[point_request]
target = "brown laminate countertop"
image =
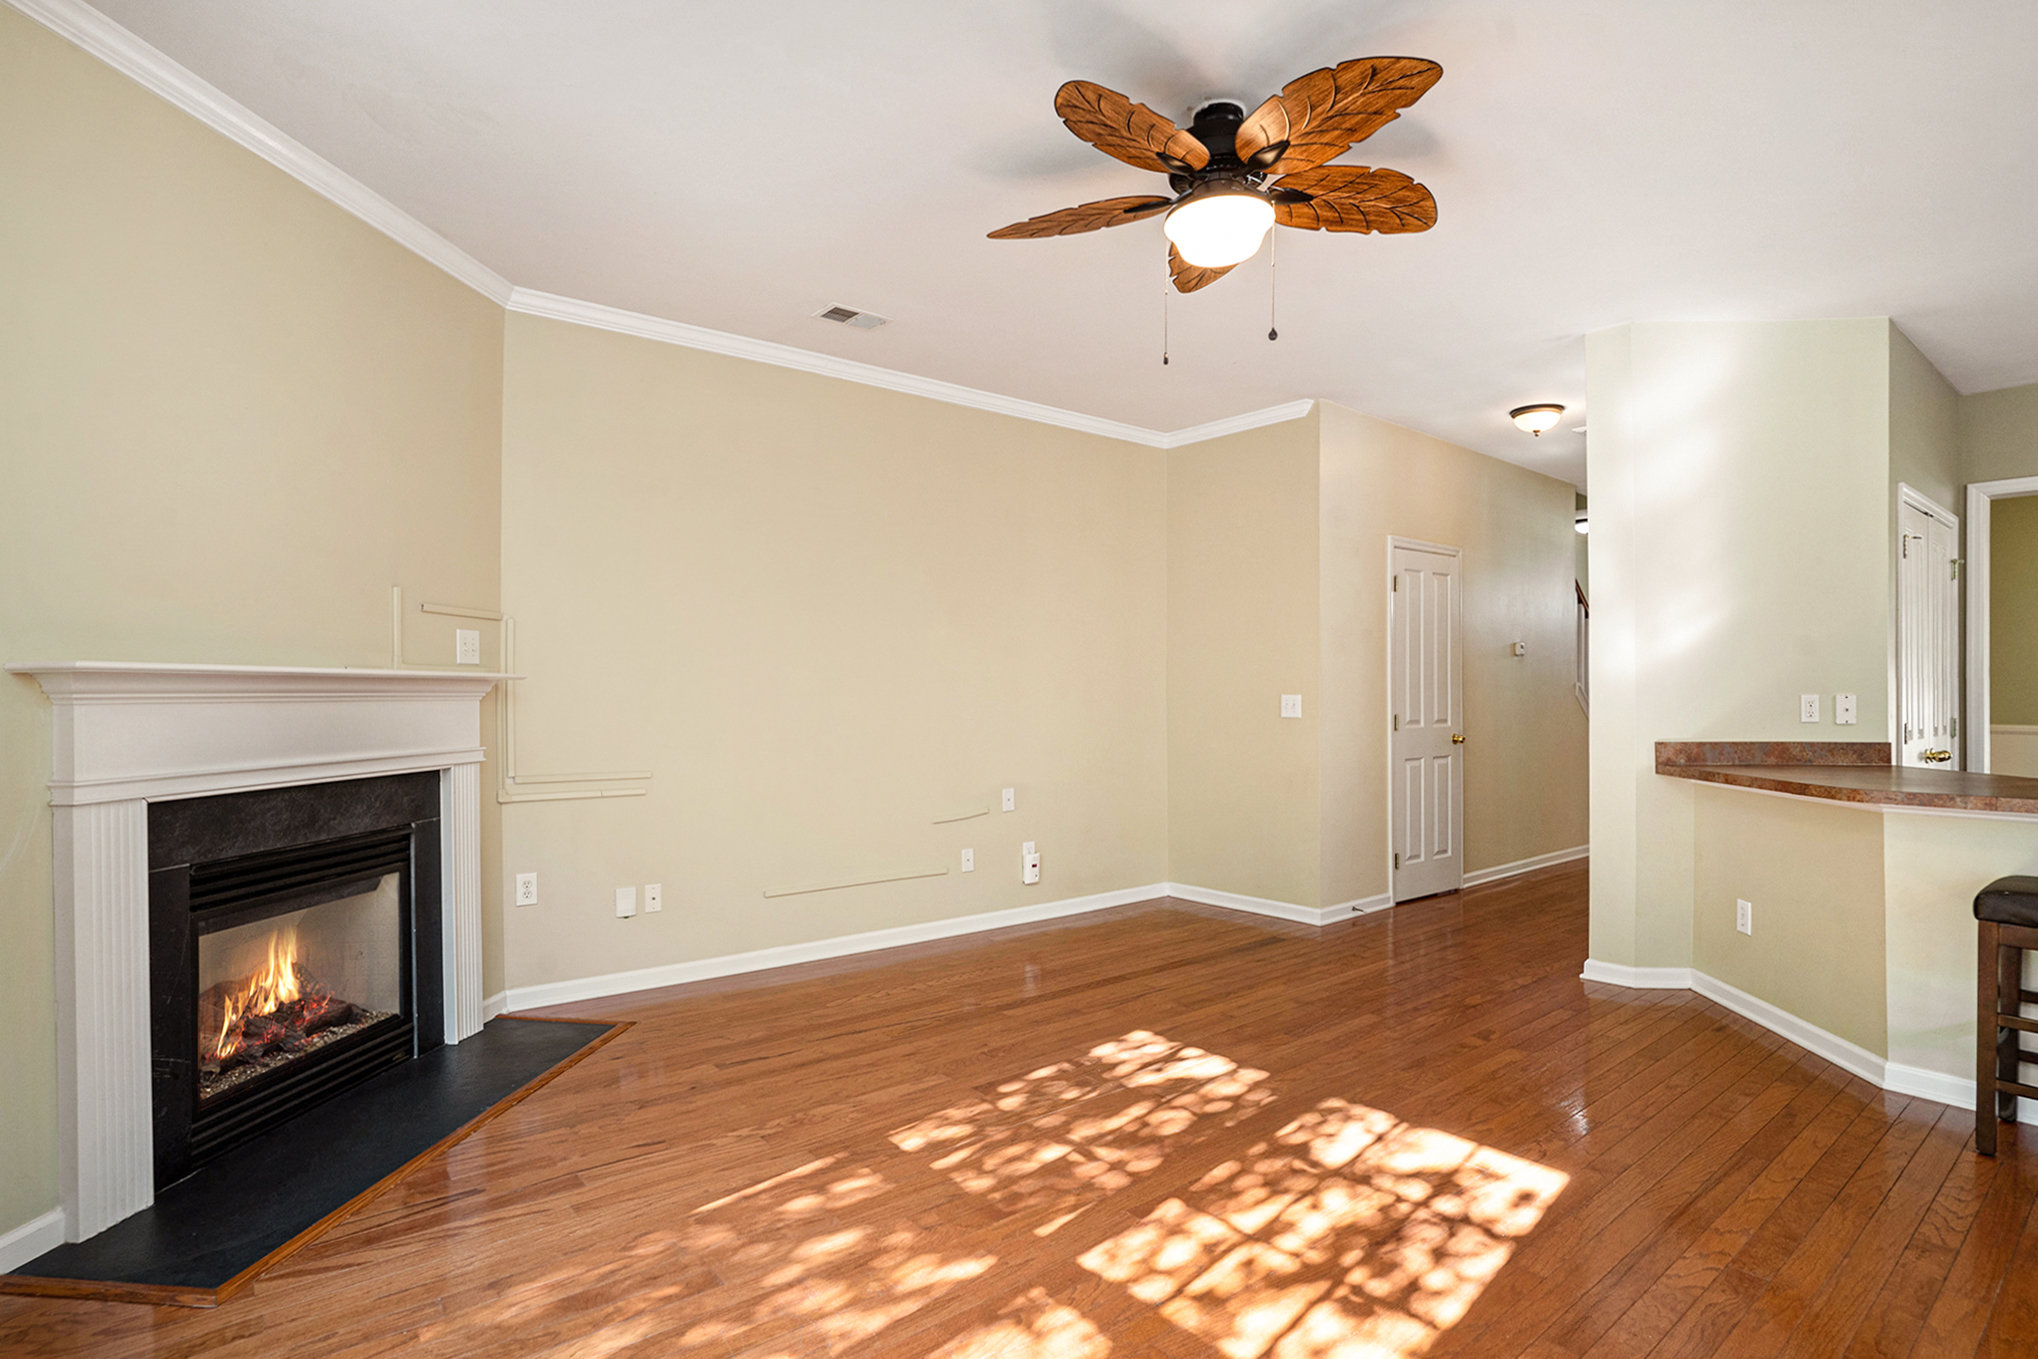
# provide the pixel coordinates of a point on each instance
(1845, 772)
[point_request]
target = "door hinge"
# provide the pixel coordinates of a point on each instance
(1956, 568)
(1397, 585)
(1397, 721)
(1397, 862)
(1956, 726)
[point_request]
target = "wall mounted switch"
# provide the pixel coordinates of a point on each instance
(466, 646)
(1744, 917)
(527, 889)
(1807, 707)
(1011, 801)
(1291, 705)
(1844, 710)
(626, 902)
(654, 897)
(969, 861)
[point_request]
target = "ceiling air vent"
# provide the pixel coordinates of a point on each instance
(850, 316)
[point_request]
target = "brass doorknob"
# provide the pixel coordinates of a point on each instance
(1936, 756)
(1457, 738)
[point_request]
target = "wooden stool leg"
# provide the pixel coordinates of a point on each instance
(2009, 1042)
(1988, 975)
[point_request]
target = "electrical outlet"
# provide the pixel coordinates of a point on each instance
(626, 902)
(1807, 707)
(527, 889)
(1029, 863)
(1744, 917)
(969, 861)
(1844, 710)
(466, 646)
(654, 897)
(1291, 705)
(1011, 801)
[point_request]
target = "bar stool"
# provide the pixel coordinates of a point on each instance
(2007, 910)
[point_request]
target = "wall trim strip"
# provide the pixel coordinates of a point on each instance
(1279, 910)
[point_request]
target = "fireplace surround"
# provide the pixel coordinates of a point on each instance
(130, 738)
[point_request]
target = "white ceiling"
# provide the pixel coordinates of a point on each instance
(742, 166)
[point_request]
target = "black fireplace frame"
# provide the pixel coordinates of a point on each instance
(235, 858)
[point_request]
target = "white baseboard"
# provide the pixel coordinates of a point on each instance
(1279, 910)
(786, 955)
(1499, 871)
(1835, 1049)
(30, 1239)
(1637, 978)
(1896, 1077)
(494, 1005)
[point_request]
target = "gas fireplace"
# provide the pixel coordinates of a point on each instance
(287, 929)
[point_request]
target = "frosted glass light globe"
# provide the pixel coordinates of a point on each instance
(1218, 230)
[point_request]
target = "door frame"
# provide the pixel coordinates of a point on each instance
(1974, 576)
(1387, 695)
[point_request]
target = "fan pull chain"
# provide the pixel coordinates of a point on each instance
(1273, 289)
(1164, 327)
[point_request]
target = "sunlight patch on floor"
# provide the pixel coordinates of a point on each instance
(1349, 1233)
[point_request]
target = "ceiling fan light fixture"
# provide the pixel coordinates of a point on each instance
(1220, 225)
(1536, 419)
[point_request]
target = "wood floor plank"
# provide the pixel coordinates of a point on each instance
(1167, 1131)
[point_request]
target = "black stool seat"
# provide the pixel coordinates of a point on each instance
(2009, 901)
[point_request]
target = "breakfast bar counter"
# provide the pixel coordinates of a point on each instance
(1845, 771)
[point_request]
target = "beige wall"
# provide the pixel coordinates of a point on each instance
(1740, 482)
(1525, 759)
(824, 615)
(1241, 631)
(2013, 612)
(1924, 430)
(1999, 434)
(231, 418)
(1813, 874)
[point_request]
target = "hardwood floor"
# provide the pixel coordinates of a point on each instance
(1170, 1132)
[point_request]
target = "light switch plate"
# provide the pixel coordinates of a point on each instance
(969, 861)
(1744, 917)
(1291, 705)
(626, 902)
(527, 889)
(466, 646)
(1011, 800)
(1807, 707)
(1844, 711)
(654, 897)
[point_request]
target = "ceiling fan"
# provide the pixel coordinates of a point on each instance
(1232, 175)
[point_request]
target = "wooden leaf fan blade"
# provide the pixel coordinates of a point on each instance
(1317, 117)
(1132, 132)
(1189, 277)
(1354, 198)
(1106, 212)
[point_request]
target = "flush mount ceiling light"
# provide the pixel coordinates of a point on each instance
(1232, 174)
(1536, 419)
(1581, 523)
(1219, 225)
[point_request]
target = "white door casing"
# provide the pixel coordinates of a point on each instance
(1426, 719)
(1928, 633)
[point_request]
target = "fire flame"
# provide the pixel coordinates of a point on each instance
(276, 985)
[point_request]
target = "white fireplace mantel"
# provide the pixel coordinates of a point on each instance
(126, 734)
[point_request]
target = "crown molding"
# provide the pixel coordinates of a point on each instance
(554, 307)
(157, 73)
(154, 71)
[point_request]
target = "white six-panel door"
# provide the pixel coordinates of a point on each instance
(1427, 721)
(1928, 633)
